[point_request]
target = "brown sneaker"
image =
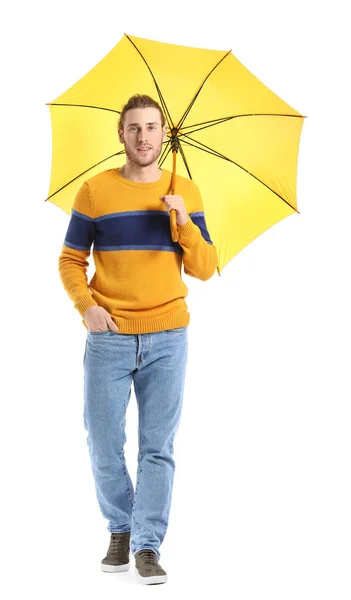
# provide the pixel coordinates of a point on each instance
(148, 569)
(117, 558)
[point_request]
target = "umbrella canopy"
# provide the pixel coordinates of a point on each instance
(232, 135)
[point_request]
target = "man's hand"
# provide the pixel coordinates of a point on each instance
(98, 319)
(176, 202)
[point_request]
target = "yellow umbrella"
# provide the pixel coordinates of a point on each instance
(235, 138)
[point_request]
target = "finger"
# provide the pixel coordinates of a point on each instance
(112, 325)
(97, 328)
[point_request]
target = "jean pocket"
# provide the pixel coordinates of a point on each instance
(98, 332)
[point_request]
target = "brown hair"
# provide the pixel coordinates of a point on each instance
(139, 101)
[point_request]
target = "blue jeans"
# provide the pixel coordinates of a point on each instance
(156, 362)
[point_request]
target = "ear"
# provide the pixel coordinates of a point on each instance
(120, 136)
(164, 137)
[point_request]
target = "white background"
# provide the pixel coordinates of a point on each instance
(261, 498)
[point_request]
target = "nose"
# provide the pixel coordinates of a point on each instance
(143, 135)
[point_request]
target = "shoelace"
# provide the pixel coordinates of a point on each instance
(116, 542)
(149, 556)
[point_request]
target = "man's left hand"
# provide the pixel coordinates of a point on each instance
(176, 202)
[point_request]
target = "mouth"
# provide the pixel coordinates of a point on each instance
(144, 149)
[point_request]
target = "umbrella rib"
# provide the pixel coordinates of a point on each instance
(211, 124)
(224, 119)
(210, 151)
(83, 172)
(199, 90)
(82, 106)
(162, 100)
(212, 121)
(165, 148)
(164, 158)
(184, 159)
(215, 153)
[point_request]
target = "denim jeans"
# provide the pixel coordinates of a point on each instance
(156, 362)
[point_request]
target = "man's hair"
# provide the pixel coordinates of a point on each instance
(139, 101)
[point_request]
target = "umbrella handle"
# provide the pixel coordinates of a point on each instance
(174, 230)
(173, 212)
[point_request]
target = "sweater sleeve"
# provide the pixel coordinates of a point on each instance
(72, 263)
(199, 254)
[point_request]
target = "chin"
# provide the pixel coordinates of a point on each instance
(145, 162)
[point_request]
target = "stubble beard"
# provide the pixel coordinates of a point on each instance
(143, 161)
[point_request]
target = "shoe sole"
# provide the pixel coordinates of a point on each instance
(150, 580)
(114, 568)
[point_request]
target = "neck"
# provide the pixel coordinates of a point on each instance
(135, 172)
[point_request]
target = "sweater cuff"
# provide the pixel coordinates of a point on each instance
(85, 302)
(188, 228)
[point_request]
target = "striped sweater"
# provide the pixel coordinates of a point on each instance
(137, 275)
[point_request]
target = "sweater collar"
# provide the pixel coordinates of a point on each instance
(140, 184)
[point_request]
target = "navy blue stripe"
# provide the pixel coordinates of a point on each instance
(80, 233)
(175, 248)
(141, 228)
(133, 213)
(131, 230)
(199, 220)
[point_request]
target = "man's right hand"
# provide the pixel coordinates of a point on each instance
(98, 319)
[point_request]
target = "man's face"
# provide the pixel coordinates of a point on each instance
(143, 135)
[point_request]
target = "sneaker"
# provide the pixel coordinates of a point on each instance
(148, 569)
(117, 558)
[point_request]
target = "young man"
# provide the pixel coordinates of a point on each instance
(137, 321)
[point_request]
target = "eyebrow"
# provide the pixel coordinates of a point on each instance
(147, 123)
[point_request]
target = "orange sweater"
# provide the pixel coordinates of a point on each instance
(138, 266)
